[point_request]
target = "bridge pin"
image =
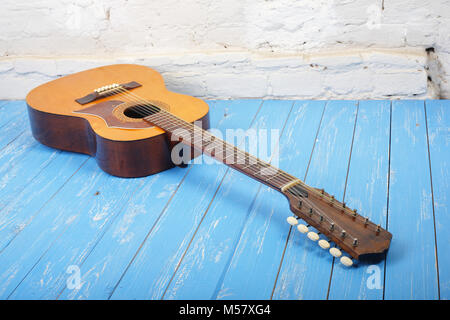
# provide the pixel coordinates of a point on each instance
(302, 228)
(292, 221)
(346, 261)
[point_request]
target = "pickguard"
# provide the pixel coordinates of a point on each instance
(112, 112)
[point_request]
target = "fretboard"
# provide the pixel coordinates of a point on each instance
(203, 141)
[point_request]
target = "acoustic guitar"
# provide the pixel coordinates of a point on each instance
(125, 117)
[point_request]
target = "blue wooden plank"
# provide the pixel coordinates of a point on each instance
(10, 110)
(14, 123)
(63, 232)
(411, 262)
(208, 257)
(20, 162)
(150, 272)
(305, 269)
(30, 184)
(438, 119)
(366, 191)
(111, 257)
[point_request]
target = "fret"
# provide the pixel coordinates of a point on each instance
(225, 152)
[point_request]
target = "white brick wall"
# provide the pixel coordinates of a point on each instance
(236, 48)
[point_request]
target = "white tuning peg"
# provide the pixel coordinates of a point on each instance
(313, 236)
(292, 221)
(335, 252)
(302, 228)
(324, 244)
(346, 261)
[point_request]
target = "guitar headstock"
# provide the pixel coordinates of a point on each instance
(355, 234)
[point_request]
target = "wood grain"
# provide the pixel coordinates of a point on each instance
(438, 120)
(411, 261)
(139, 238)
(366, 191)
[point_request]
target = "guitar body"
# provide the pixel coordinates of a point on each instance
(123, 145)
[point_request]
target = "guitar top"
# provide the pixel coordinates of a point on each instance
(124, 116)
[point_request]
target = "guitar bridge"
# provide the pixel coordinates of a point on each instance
(107, 91)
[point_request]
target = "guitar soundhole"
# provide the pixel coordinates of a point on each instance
(141, 111)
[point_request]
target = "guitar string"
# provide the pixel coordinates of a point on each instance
(322, 215)
(214, 140)
(147, 105)
(281, 172)
(155, 110)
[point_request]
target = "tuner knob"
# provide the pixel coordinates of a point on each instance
(324, 244)
(292, 221)
(346, 261)
(313, 236)
(335, 252)
(302, 228)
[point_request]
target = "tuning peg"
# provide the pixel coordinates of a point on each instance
(324, 244)
(366, 221)
(292, 221)
(335, 252)
(313, 236)
(378, 229)
(302, 228)
(346, 261)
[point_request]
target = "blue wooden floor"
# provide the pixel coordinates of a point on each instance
(207, 232)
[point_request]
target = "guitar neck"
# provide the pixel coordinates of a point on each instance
(204, 142)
